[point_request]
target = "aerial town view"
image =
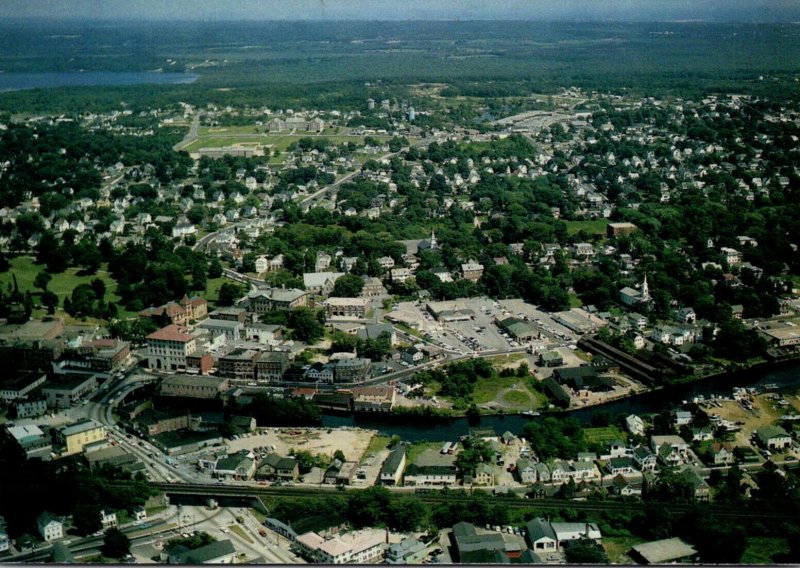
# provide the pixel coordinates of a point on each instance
(365, 282)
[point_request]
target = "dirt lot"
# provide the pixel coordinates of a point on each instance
(765, 411)
(353, 442)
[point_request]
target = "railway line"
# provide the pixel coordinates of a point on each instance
(455, 496)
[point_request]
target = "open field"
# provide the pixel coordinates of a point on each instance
(606, 434)
(26, 269)
(595, 226)
(617, 548)
(763, 549)
(353, 442)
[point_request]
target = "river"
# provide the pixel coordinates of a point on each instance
(785, 375)
(19, 81)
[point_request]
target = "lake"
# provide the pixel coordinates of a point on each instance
(19, 81)
(785, 375)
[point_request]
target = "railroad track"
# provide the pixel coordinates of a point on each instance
(436, 497)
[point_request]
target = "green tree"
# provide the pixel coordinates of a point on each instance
(86, 518)
(228, 294)
(215, 268)
(42, 279)
(348, 286)
(116, 544)
(305, 325)
(585, 553)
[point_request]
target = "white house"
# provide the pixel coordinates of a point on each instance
(50, 527)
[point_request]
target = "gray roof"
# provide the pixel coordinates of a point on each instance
(539, 528)
(662, 551)
(204, 554)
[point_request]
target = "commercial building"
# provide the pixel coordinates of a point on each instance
(667, 551)
(34, 442)
(393, 467)
(67, 391)
(30, 408)
(347, 307)
(168, 348)
(296, 123)
(190, 386)
(373, 399)
(271, 366)
(19, 386)
(266, 300)
(614, 230)
(75, 437)
(239, 364)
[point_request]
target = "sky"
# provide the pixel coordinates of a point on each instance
(596, 10)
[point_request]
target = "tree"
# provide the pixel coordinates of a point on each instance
(42, 279)
(305, 325)
(581, 552)
(228, 294)
(115, 544)
(339, 455)
(86, 518)
(50, 301)
(348, 286)
(215, 268)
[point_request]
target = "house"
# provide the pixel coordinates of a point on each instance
(139, 513)
(50, 527)
(320, 282)
(392, 468)
(720, 454)
(773, 437)
(550, 359)
(621, 486)
(240, 465)
(525, 471)
(683, 418)
(644, 459)
(278, 467)
(108, 519)
(543, 474)
(667, 551)
(219, 552)
(670, 450)
(702, 491)
(471, 271)
(621, 466)
(483, 475)
(635, 425)
(407, 551)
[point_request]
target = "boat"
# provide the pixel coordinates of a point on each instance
(531, 413)
(771, 386)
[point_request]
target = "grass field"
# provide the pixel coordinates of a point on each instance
(212, 289)
(618, 546)
(762, 550)
(248, 135)
(417, 448)
(595, 226)
(376, 444)
(606, 434)
(25, 269)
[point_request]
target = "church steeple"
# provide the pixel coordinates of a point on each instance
(433, 239)
(645, 289)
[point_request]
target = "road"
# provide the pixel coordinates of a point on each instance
(191, 136)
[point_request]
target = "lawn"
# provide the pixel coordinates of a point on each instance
(605, 434)
(376, 444)
(418, 448)
(593, 227)
(26, 269)
(762, 550)
(617, 548)
(212, 289)
(486, 390)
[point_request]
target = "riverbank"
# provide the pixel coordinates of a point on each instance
(784, 373)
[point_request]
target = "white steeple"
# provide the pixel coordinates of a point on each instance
(433, 239)
(645, 289)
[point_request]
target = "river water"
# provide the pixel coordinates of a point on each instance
(19, 81)
(785, 375)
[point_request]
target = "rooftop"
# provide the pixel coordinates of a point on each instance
(172, 333)
(664, 551)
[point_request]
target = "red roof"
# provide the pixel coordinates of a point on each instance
(172, 333)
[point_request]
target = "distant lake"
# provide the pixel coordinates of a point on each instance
(19, 81)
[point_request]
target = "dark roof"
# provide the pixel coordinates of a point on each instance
(539, 528)
(203, 554)
(393, 461)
